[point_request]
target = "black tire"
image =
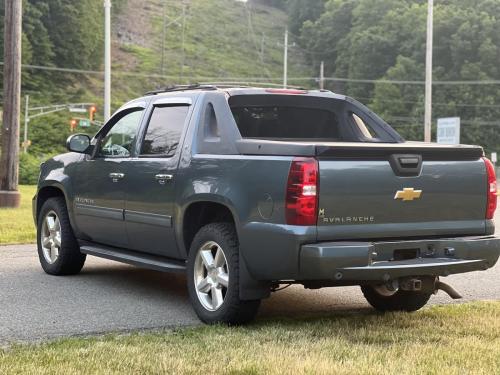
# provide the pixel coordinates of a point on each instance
(399, 301)
(70, 260)
(233, 311)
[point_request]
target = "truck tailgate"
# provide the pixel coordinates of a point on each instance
(411, 190)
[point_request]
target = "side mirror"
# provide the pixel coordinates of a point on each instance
(78, 143)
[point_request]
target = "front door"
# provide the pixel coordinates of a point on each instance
(100, 181)
(151, 178)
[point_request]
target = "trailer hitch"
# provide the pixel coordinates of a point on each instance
(426, 284)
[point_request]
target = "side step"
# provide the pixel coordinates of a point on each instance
(153, 262)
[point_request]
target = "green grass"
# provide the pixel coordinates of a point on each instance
(16, 224)
(454, 339)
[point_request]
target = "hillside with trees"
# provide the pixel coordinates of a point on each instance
(373, 51)
(364, 40)
(155, 43)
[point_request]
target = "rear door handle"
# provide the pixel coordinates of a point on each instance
(116, 176)
(162, 178)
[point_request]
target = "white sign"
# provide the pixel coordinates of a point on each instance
(448, 130)
(494, 157)
(76, 109)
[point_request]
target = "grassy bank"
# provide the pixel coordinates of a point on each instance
(16, 225)
(444, 339)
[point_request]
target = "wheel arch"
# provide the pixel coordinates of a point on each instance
(202, 212)
(51, 189)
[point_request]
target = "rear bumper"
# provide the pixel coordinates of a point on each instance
(374, 261)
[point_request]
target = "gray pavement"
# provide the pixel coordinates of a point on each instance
(111, 297)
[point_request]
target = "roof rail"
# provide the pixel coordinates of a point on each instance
(172, 88)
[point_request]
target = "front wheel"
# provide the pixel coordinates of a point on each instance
(213, 277)
(58, 249)
(384, 299)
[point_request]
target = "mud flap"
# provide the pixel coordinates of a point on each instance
(251, 289)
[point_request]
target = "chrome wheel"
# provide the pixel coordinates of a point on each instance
(51, 237)
(211, 275)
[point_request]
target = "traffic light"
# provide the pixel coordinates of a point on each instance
(72, 124)
(92, 111)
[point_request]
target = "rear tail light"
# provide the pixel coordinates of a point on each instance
(492, 189)
(302, 192)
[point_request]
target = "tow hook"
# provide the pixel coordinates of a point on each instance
(439, 285)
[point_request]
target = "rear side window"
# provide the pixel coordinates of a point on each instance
(164, 131)
(364, 128)
(287, 122)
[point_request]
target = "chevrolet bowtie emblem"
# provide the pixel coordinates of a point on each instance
(408, 194)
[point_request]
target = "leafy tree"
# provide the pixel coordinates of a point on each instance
(301, 11)
(385, 40)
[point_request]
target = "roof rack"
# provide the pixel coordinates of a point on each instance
(172, 88)
(212, 86)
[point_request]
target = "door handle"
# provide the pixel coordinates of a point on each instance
(162, 178)
(116, 176)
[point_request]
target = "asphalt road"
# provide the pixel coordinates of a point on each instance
(111, 297)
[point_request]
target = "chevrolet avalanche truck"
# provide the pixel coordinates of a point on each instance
(246, 189)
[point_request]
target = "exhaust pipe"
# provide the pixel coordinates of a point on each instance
(439, 285)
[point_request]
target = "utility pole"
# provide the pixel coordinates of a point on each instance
(9, 163)
(262, 48)
(164, 35)
(183, 38)
(26, 121)
(285, 60)
(107, 60)
(428, 73)
(322, 75)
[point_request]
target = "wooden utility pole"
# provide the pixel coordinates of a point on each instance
(9, 159)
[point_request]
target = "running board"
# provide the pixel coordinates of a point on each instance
(134, 258)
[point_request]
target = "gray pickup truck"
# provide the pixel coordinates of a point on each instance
(247, 189)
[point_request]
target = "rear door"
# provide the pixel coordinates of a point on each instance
(151, 178)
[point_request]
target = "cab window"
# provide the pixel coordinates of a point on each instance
(120, 139)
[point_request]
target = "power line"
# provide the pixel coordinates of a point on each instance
(336, 79)
(434, 104)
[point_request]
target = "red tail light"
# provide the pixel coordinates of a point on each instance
(491, 205)
(302, 192)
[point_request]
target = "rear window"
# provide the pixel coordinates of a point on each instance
(306, 118)
(286, 122)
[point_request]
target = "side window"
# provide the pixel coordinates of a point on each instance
(120, 139)
(164, 130)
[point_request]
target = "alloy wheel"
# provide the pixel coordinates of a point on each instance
(51, 237)
(211, 275)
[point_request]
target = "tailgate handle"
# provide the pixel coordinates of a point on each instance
(406, 165)
(408, 161)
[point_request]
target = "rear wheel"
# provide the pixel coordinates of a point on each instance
(213, 277)
(384, 299)
(58, 249)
